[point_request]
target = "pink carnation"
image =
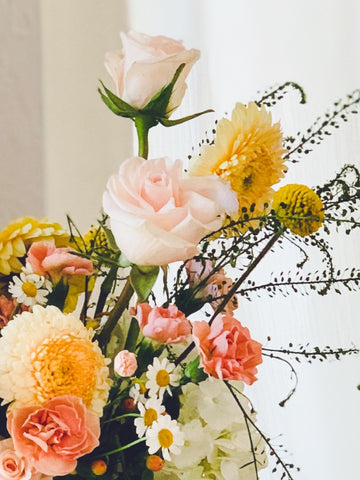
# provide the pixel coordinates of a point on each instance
(164, 325)
(227, 350)
(50, 261)
(54, 435)
(125, 363)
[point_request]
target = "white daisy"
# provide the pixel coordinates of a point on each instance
(150, 412)
(160, 376)
(165, 433)
(30, 289)
(137, 392)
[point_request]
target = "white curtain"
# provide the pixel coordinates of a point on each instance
(246, 47)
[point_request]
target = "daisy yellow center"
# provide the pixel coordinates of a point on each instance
(150, 416)
(162, 378)
(65, 366)
(165, 437)
(29, 289)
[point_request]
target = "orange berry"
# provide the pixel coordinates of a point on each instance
(98, 467)
(128, 404)
(154, 463)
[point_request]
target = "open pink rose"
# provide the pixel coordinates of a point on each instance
(148, 64)
(54, 435)
(125, 363)
(227, 350)
(55, 263)
(164, 325)
(157, 216)
(12, 465)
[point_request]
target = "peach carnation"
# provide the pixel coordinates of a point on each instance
(227, 351)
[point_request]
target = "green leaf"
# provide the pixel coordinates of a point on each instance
(171, 123)
(159, 103)
(142, 279)
(193, 372)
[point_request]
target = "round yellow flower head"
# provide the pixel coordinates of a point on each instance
(247, 152)
(299, 208)
(18, 235)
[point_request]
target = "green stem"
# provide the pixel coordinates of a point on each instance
(234, 289)
(120, 449)
(104, 336)
(126, 415)
(143, 124)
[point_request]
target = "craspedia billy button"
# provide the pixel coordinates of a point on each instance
(299, 209)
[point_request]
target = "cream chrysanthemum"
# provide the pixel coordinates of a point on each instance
(45, 354)
(18, 235)
(247, 152)
(299, 208)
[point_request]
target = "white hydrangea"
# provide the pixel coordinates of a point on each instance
(217, 444)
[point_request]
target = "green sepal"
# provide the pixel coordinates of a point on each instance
(193, 372)
(171, 123)
(116, 105)
(142, 279)
(157, 107)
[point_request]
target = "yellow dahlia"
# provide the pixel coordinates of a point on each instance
(299, 208)
(247, 152)
(18, 235)
(47, 353)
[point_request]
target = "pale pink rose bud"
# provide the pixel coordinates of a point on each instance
(125, 363)
(146, 65)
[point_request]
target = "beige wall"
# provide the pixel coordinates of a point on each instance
(83, 141)
(21, 159)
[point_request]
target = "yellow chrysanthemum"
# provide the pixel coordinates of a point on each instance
(18, 235)
(299, 208)
(45, 354)
(247, 152)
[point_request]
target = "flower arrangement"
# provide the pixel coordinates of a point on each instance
(121, 354)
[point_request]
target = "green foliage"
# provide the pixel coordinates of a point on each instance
(142, 280)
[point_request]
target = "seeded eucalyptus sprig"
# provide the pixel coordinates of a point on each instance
(276, 93)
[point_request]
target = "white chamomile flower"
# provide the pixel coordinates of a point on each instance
(30, 289)
(165, 433)
(160, 376)
(150, 412)
(137, 392)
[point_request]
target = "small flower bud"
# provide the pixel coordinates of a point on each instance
(128, 404)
